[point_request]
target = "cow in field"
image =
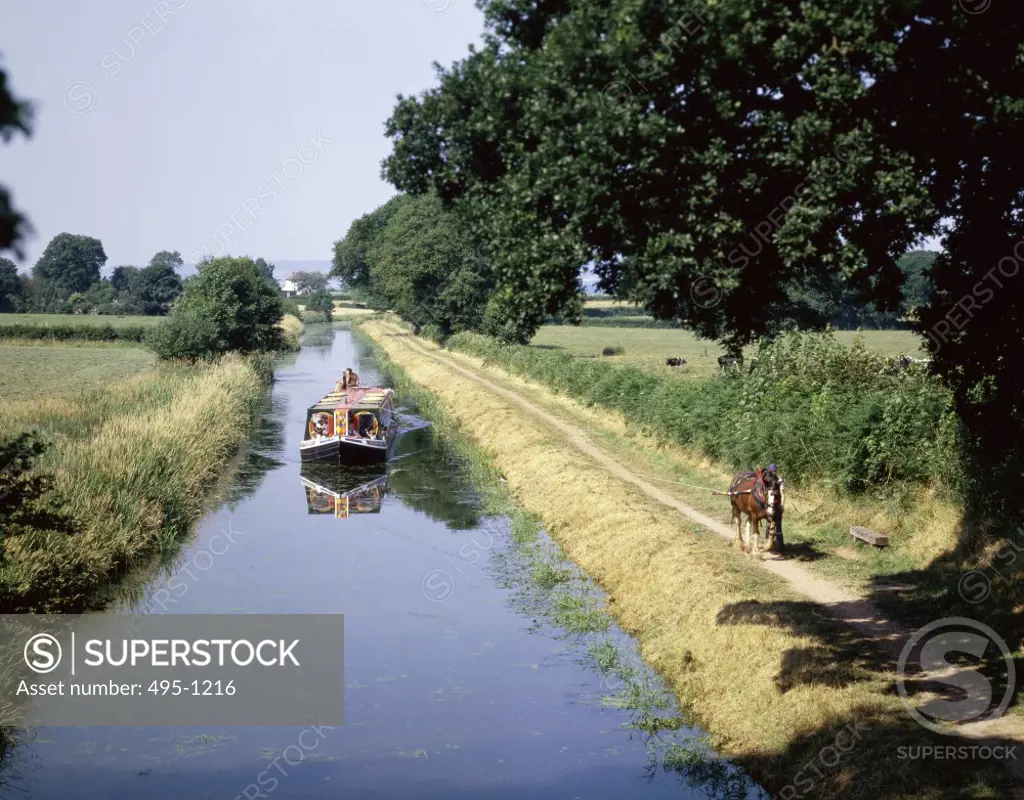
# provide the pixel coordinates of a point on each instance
(726, 363)
(675, 362)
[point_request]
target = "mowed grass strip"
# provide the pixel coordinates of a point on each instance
(649, 347)
(59, 369)
(771, 676)
(133, 462)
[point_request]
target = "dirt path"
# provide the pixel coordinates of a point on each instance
(853, 609)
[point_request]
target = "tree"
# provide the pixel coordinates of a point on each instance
(309, 281)
(157, 285)
(427, 267)
(70, 263)
(12, 290)
(123, 277)
(15, 117)
(228, 306)
(917, 286)
(266, 268)
(710, 159)
(350, 264)
(321, 302)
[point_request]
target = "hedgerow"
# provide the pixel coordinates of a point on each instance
(839, 416)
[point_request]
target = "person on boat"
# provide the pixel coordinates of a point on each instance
(350, 379)
(773, 480)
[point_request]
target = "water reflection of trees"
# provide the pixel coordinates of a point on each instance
(258, 457)
(427, 477)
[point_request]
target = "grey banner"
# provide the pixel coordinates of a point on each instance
(171, 669)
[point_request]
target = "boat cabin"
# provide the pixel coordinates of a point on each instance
(366, 413)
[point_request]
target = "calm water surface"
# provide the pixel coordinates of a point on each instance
(455, 686)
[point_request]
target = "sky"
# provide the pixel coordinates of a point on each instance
(249, 128)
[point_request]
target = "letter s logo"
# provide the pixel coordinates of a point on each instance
(43, 653)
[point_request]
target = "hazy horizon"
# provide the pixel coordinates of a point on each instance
(177, 125)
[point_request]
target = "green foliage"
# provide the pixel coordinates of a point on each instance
(72, 330)
(718, 162)
(15, 117)
(321, 302)
(350, 263)
(413, 257)
(310, 281)
(290, 306)
(70, 263)
(229, 306)
(828, 414)
(12, 290)
(266, 268)
(26, 502)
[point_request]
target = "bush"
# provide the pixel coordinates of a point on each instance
(289, 306)
(228, 306)
(186, 334)
(320, 302)
(838, 416)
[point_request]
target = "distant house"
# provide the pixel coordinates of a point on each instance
(291, 289)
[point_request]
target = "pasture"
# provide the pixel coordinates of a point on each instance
(648, 348)
(61, 320)
(39, 369)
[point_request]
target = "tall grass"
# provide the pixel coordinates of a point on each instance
(839, 416)
(132, 464)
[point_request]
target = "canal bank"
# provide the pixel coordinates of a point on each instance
(773, 676)
(477, 662)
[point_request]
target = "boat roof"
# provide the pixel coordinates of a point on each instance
(368, 398)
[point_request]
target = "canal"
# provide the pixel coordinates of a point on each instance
(471, 669)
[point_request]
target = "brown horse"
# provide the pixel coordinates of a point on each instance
(751, 497)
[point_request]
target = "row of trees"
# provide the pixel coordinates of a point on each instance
(66, 279)
(417, 259)
(766, 149)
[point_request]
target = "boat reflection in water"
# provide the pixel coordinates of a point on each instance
(341, 492)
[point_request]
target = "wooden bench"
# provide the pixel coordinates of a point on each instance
(870, 536)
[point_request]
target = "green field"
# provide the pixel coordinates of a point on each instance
(63, 370)
(649, 347)
(56, 320)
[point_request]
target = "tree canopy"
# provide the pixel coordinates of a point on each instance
(15, 117)
(714, 161)
(227, 306)
(12, 290)
(70, 263)
(417, 259)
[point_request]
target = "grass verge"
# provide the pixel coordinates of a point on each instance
(782, 688)
(133, 462)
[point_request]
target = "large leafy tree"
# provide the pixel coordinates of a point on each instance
(15, 117)
(157, 285)
(350, 263)
(228, 306)
(427, 267)
(12, 289)
(419, 260)
(713, 160)
(70, 263)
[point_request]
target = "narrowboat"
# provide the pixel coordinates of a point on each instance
(328, 495)
(351, 426)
